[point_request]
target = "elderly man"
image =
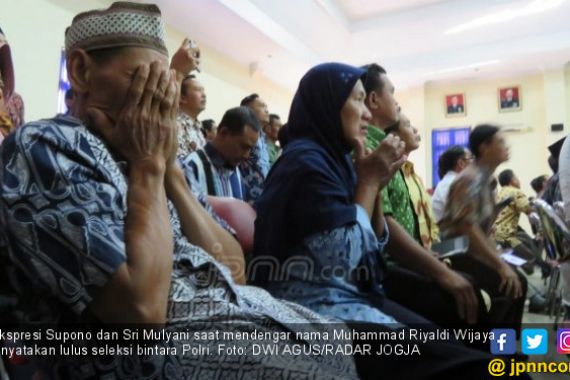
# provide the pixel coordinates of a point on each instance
(101, 225)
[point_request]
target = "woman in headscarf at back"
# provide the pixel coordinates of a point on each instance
(314, 216)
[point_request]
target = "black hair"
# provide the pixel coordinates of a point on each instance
(371, 79)
(235, 119)
(183, 83)
(506, 177)
(248, 100)
(69, 94)
(480, 135)
(553, 163)
(273, 117)
(537, 184)
(208, 124)
(394, 128)
(448, 160)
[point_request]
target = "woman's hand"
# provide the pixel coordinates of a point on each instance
(379, 166)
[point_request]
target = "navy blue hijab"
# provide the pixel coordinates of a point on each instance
(311, 186)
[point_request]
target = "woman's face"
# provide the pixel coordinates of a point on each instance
(355, 116)
(408, 134)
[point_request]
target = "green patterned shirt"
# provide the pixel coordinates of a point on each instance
(395, 197)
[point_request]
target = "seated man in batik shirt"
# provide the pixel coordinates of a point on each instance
(101, 225)
(470, 210)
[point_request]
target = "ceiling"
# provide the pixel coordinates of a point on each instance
(417, 41)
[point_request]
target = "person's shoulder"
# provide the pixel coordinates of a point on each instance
(302, 156)
(58, 131)
(518, 192)
(466, 178)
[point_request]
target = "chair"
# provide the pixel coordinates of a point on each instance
(239, 215)
(557, 238)
(535, 225)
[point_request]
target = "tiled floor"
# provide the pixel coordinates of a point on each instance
(542, 320)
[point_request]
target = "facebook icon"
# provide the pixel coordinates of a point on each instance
(503, 341)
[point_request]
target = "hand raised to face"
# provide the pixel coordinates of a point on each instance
(378, 167)
(145, 129)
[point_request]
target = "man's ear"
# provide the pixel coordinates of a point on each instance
(79, 70)
(372, 100)
(222, 131)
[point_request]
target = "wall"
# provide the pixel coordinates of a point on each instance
(545, 100)
(35, 30)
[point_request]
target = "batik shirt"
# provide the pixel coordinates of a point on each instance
(5, 125)
(273, 150)
(255, 169)
(64, 202)
(15, 107)
(507, 223)
(470, 201)
(395, 197)
(190, 136)
(421, 202)
(328, 285)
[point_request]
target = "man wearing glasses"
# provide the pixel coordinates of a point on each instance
(451, 163)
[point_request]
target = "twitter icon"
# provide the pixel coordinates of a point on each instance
(534, 341)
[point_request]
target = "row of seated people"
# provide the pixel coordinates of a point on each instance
(104, 219)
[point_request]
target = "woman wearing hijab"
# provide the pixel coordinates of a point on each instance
(318, 218)
(314, 216)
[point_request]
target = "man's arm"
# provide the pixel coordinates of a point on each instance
(200, 228)
(406, 251)
(143, 135)
(484, 250)
(138, 291)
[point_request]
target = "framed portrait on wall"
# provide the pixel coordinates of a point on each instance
(455, 105)
(510, 99)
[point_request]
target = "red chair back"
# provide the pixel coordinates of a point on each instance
(239, 215)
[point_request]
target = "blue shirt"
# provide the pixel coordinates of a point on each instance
(324, 271)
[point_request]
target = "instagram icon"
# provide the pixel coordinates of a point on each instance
(563, 341)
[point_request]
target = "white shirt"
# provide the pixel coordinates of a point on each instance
(439, 198)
